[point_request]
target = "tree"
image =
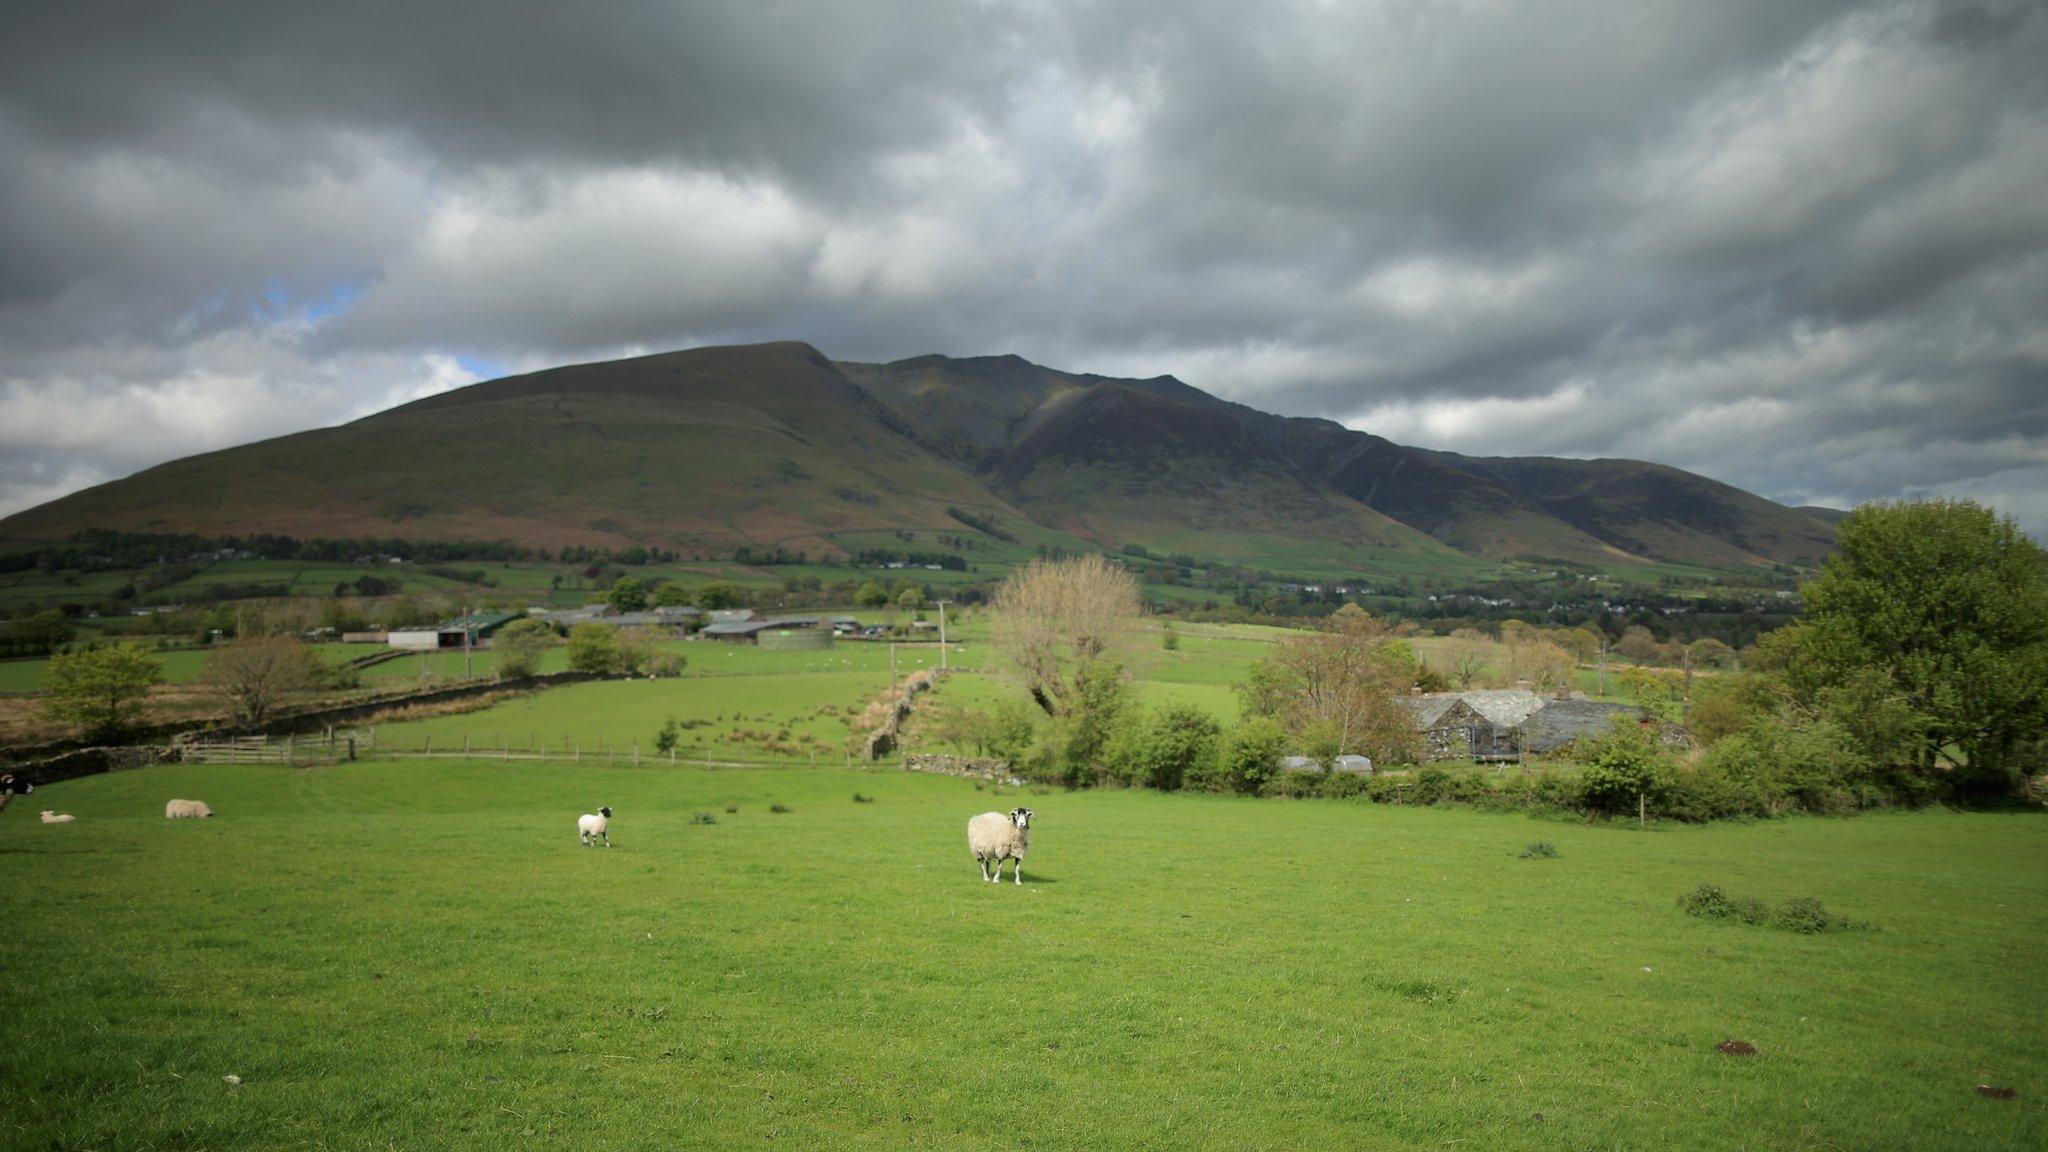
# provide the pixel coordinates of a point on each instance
(101, 689)
(1055, 616)
(1098, 709)
(520, 645)
(1247, 757)
(1547, 667)
(1708, 652)
(669, 594)
(1623, 767)
(1583, 643)
(718, 595)
(870, 595)
(1165, 751)
(1466, 655)
(255, 674)
(1639, 645)
(594, 648)
(909, 599)
(628, 594)
(1941, 605)
(1343, 681)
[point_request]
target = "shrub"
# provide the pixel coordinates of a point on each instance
(860, 799)
(665, 739)
(594, 648)
(1802, 914)
(1247, 757)
(731, 808)
(1540, 850)
(1622, 766)
(1162, 752)
(781, 809)
(703, 818)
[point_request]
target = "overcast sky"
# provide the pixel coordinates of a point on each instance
(1798, 246)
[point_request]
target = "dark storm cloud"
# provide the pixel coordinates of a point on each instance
(1798, 246)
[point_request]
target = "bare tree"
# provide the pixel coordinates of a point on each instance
(1340, 684)
(1465, 655)
(1544, 665)
(255, 675)
(1053, 616)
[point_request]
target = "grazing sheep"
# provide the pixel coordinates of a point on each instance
(1000, 836)
(50, 817)
(592, 827)
(186, 810)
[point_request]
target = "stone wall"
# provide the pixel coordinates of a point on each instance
(973, 767)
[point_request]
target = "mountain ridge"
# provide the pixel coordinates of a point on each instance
(708, 449)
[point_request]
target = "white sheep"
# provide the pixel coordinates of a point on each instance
(1000, 836)
(594, 826)
(186, 810)
(50, 817)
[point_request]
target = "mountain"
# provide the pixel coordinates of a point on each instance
(774, 444)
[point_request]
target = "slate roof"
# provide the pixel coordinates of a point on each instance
(1501, 707)
(1563, 721)
(737, 628)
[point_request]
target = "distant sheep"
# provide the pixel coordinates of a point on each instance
(1000, 836)
(50, 817)
(186, 810)
(592, 827)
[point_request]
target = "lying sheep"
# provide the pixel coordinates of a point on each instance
(186, 810)
(1000, 836)
(592, 827)
(50, 817)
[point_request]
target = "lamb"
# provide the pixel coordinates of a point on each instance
(1000, 836)
(186, 810)
(50, 817)
(591, 828)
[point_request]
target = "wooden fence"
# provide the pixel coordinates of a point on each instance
(332, 746)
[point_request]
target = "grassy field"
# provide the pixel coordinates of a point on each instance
(419, 955)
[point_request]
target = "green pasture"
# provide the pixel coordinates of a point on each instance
(419, 954)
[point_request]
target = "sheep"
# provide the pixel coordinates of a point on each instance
(1000, 836)
(592, 827)
(186, 810)
(50, 817)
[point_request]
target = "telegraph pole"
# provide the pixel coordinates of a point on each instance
(942, 634)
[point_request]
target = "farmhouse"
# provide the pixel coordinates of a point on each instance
(1481, 725)
(462, 632)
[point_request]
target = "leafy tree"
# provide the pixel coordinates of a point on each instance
(1466, 655)
(909, 599)
(1544, 665)
(1169, 640)
(1247, 757)
(520, 645)
(101, 689)
(871, 595)
(1708, 652)
(670, 594)
(718, 595)
(1013, 731)
(594, 648)
(628, 594)
(665, 739)
(1639, 645)
(255, 674)
(1941, 605)
(1166, 750)
(1622, 767)
(1097, 707)
(37, 635)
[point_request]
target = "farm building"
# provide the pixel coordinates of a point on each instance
(1562, 722)
(462, 632)
(731, 615)
(1478, 725)
(736, 632)
(780, 639)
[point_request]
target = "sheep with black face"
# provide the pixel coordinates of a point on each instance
(994, 837)
(594, 826)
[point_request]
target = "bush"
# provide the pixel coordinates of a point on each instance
(1802, 914)
(1622, 766)
(1246, 759)
(665, 739)
(781, 809)
(594, 648)
(1164, 751)
(704, 817)
(860, 799)
(1540, 850)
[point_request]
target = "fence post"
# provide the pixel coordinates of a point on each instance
(636, 751)
(290, 748)
(579, 753)
(429, 750)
